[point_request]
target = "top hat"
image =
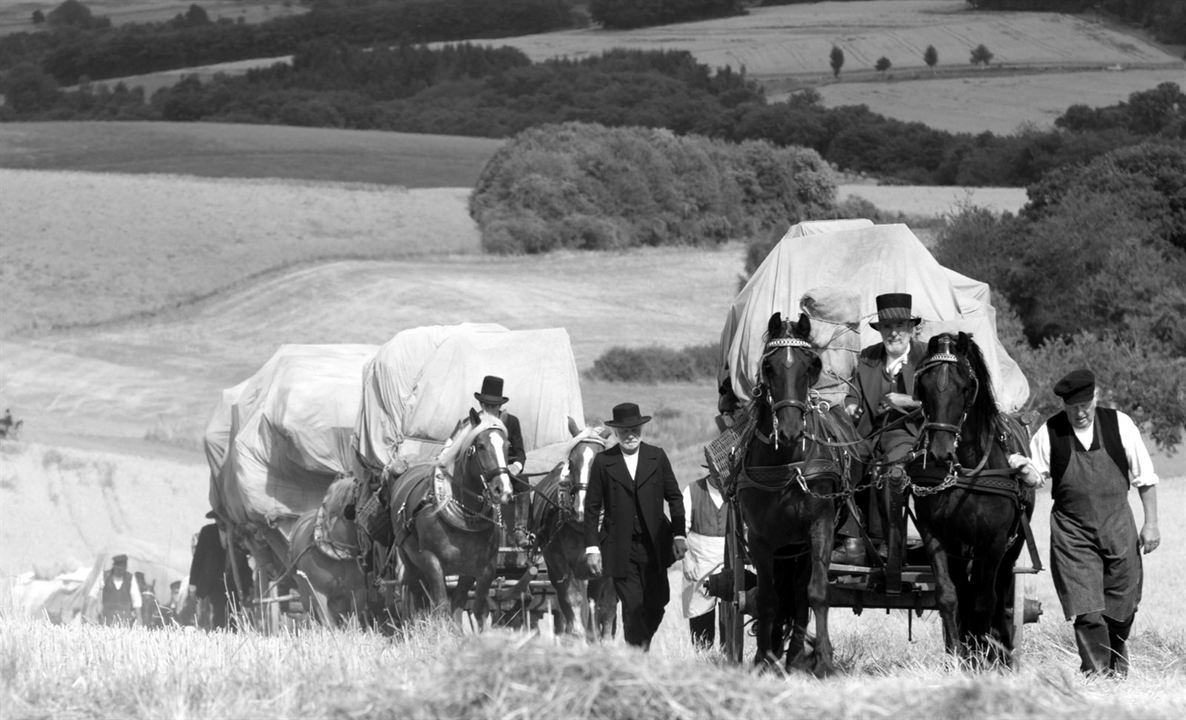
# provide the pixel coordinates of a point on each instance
(210, 515)
(626, 415)
(491, 392)
(894, 306)
(1077, 386)
(119, 560)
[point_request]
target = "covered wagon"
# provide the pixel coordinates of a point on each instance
(422, 381)
(279, 439)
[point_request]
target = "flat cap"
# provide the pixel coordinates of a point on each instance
(1077, 386)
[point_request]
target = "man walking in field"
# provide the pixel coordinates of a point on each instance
(635, 543)
(1092, 455)
(211, 577)
(118, 595)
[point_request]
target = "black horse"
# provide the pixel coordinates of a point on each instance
(969, 505)
(795, 468)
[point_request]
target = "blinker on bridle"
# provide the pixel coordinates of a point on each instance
(943, 359)
(773, 346)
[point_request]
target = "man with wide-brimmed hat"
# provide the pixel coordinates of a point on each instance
(635, 543)
(882, 397)
(491, 400)
(1092, 455)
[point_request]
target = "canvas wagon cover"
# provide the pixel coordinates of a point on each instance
(422, 381)
(871, 260)
(278, 439)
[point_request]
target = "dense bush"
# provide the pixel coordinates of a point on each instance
(657, 364)
(1095, 267)
(1146, 383)
(583, 186)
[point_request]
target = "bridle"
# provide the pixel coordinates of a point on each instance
(762, 389)
(571, 491)
(489, 478)
(944, 360)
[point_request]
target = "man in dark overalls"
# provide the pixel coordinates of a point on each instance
(1091, 455)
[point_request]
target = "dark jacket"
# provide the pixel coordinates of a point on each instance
(872, 384)
(611, 489)
(514, 438)
(208, 571)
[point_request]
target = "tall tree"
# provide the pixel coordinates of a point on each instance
(883, 64)
(931, 57)
(981, 55)
(837, 60)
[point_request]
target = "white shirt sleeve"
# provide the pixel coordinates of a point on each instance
(688, 505)
(1040, 450)
(1140, 465)
(137, 602)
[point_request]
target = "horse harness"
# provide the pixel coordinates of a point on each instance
(997, 481)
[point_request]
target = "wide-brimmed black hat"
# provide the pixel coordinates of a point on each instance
(210, 515)
(894, 306)
(1077, 386)
(626, 415)
(491, 392)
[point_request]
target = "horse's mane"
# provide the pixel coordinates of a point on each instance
(464, 437)
(339, 494)
(984, 408)
(591, 433)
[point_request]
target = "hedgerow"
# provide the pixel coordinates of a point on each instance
(657, 364)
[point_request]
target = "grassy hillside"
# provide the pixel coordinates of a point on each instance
(247, 151)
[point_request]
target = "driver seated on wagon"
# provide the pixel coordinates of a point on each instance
(882, 396)
(490, 400)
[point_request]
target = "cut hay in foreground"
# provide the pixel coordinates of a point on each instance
(436, 672)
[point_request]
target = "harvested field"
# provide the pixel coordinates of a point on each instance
(999, 103)
(774, 43)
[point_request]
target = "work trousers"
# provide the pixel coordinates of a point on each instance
(643, 593)
(703, 628)
(1103, 644)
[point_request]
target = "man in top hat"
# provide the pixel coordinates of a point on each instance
(1092, 455)
(882, 395)
(119, 595)
(490, 400)
(635, 543)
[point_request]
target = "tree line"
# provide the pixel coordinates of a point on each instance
(79, 47)
(497, 92)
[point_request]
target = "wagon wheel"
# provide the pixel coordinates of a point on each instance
(1023, 610)
(732, 610)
